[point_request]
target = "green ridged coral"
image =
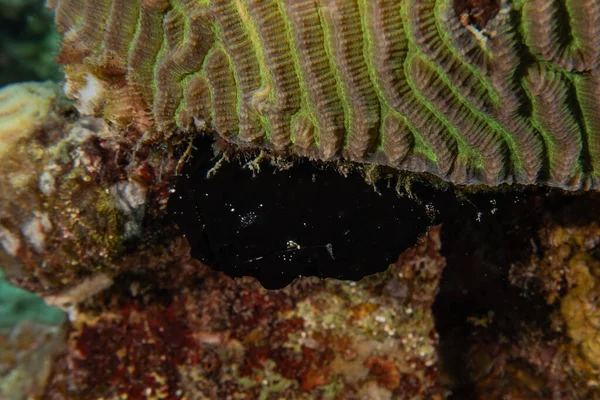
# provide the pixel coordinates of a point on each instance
(508, 92)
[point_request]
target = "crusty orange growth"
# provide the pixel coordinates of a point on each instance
(473, 91)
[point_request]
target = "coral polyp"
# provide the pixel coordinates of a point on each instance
(490, 93)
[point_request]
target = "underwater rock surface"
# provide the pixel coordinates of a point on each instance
(31, 336)
(479, 319)
(76, 197)
(525, 325)
(28, 353)
(217, 338)
(175, 327)
(500, 301)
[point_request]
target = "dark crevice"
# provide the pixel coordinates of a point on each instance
(306, 220)
(544, 172)
(309, 219)
(563, 24)
(476, 12)
(574, 106)
(526, 60)
(484, 252)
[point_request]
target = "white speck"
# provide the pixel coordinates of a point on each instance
(199, 123)
(129, 195)
(46, 183)
(34, 231)
(431, 211)
(329, 248)
(90, 96)
(293, 245)
(478, 218)
(380, 319)
(248, 219)
(9, 241)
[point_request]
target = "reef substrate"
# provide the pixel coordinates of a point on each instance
(516, 310)
(500, 301)
(219, 338)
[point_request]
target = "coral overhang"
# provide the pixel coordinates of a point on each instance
(473, 92)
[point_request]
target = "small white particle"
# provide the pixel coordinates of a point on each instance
(9, 241)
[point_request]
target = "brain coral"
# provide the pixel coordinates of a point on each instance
(472, 91)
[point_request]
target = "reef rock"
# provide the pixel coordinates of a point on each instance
(535, 331)
(219, 338)
(505, 95)
(27, 358)
(25, 108)
(74, 193)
